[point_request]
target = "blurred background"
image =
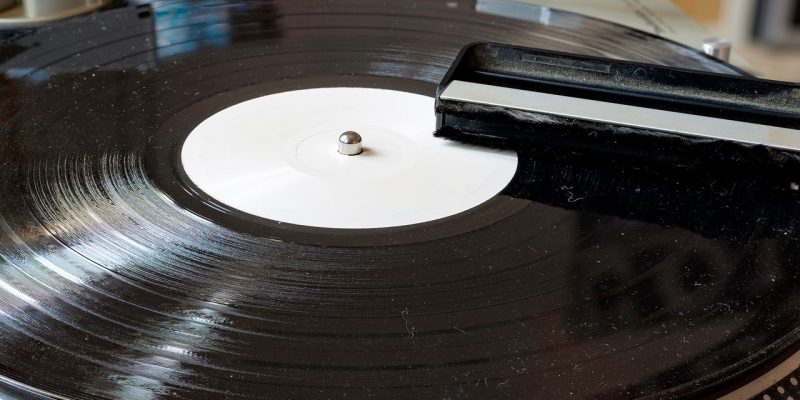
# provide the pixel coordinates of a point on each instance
(765, 34)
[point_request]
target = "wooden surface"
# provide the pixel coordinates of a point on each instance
(703, 11)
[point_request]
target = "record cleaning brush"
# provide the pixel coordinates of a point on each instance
(519, 98)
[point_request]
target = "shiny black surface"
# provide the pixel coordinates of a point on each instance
(584, 279)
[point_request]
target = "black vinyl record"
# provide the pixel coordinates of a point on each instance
(583, 279)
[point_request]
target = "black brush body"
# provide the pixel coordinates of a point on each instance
(752, 103)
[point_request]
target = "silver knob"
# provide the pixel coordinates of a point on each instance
(350, 143)
(718, 47)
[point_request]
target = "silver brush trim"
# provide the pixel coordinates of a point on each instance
(623, 115)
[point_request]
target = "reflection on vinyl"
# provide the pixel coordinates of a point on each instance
(122, 277)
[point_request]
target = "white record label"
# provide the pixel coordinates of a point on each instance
(276, 157)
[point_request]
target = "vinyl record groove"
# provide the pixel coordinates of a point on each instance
(120, 278)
